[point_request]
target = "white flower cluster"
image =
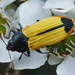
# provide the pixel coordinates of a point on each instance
(28, 13)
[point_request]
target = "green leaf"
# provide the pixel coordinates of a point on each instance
(2, 29)
(2, 20)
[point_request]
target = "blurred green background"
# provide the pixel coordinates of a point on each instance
(43, 70)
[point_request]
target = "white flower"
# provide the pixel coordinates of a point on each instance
(7, 21)
(6, 15)
(13, 18)
(67, 67)
(59, 4)
(4, 3)
(70, 13)
(61, 8)
(31, 11)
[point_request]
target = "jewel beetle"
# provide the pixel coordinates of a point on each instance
(45, 32)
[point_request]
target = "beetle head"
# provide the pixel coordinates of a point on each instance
(17, 43)
(13, 41)
(10, 45)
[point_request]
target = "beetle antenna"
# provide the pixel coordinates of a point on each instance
(9, 54)
(3, 40)
(20, 25)
(6, 44)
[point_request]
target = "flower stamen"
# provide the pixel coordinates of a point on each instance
(55, 50)
(64, 55)
(72, 33)
(72, 42)
(59, 55)
(1, 32)
(5, 24)
(1, 15)
(9, 15)
(69, 46)
(68, 50)
(1, 8)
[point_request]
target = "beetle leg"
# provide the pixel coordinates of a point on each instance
(57, 48)
(62, 51)
(45, 52)
(28, 54)
(37, 20)
(20, 26)
(10, 33)
(20, 57)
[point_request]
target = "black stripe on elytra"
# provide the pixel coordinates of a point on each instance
(51, 29)
(66, 22)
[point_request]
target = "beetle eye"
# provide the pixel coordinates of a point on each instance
(10, 42)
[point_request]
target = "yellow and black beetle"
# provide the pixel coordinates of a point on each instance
(47, 31)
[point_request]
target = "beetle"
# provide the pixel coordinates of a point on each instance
(45, 32)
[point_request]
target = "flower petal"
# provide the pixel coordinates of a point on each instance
(67, 67)
(61, 11)
(4, 3)
(53, 60)
(73, 53)
(70, 13)
(34, 61)
(10, 12)
(67, 4)
(31, 11)
(16, 16)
